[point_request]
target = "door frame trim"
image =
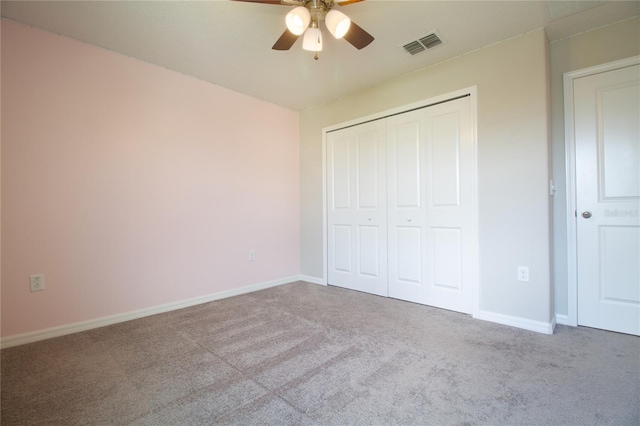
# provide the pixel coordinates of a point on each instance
(570, 177)
(472, 92)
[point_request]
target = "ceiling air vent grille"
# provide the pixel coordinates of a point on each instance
(423, 43)
(414, 47)
(430, 41)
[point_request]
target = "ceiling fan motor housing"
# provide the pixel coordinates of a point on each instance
(338, 24)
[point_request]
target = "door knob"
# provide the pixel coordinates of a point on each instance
(368, 218)
(408, 219)
(586, 214)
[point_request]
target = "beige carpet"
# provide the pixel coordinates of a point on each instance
(308, 354)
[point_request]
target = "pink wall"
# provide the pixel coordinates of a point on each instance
(130, 186)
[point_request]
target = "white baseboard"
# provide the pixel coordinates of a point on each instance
(562, 319)
(524, 323)
(313, 280)
(48, 333)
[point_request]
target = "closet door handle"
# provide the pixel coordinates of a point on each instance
(369, 218)
(408, 219)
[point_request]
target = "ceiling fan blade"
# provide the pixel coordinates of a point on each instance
(347, 2)
(285, 41)
(261, 1)
(358, 37)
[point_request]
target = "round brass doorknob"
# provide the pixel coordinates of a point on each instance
(586, 214)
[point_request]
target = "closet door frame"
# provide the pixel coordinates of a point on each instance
(469, 91)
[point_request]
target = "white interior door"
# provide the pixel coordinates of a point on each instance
(357, 216)
(400, 206)
(430, 205)
(407, 213)
(607, 138)
(450, 211)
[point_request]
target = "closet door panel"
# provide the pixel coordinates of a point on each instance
(341, 176)
(401, 212)
(447, 258)
(444, 159)
(368, 169)
(357, 218)
(449, 239)
(406, 206)
(409, 255)
(342, 248)
(405, 151)
(368, 241)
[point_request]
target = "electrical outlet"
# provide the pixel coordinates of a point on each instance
(523, 274)
(252, 255)
(36, 282)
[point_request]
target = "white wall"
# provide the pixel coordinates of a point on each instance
(513, 157)
(607, 44)
(131, 186)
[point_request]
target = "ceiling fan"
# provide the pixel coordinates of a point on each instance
(306, 17)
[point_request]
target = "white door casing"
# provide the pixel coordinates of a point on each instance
(607, 143)
(602, 112)
(356, 198)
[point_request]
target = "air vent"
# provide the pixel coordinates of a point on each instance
(430, 41)
(423, 44)
(414, 47)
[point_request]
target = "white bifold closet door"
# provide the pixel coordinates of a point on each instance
(423, 210)
(429, 176)
(356, 198)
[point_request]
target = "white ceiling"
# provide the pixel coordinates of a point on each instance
(229, 43)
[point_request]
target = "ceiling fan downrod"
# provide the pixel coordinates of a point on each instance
(318, 10)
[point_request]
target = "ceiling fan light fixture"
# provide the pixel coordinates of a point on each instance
(337, 23)
(298, 20)
(312, 40)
